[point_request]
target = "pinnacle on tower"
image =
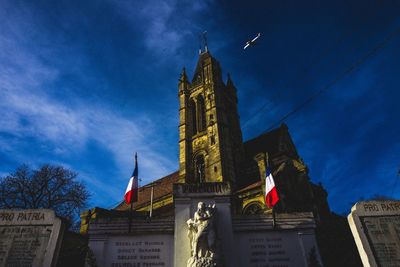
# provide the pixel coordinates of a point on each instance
(183, 77)
(229, 81)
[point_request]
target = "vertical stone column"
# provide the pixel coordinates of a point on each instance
(225, 231)
(260, 158)
(181, 240)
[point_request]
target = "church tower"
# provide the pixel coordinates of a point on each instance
(210, 138)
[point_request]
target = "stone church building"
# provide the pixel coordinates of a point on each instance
(211, 150)
(217, 166)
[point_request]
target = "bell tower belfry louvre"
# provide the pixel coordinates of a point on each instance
(210, 138)
(212, 211)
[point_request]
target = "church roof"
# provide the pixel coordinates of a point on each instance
(267, 142)
(249, 187)
(162, 188)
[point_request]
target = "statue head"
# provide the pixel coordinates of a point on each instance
(201, 206)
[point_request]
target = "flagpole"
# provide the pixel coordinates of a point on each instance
(130, 217)
(273, 218)
(273, 210)
(151, 186)
(151, 201)
(131, 208)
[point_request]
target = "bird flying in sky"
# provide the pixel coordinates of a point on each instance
(252, 42)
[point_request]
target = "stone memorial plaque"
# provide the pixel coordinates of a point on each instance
(29, 237)
(139, 251)
(383, 233)
(376, 229)
(275, 248)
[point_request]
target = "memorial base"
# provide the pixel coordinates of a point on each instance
(204, 232)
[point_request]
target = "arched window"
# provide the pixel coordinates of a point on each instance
(201, 114)
(193, 117)
(199, 169)
(253, 208)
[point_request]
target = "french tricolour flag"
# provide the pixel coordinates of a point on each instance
(131, 193)
(271, 195)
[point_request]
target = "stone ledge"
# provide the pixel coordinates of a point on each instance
(202, 189)
(120, 226)
(298, 220)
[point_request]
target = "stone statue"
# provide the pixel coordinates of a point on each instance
(202, 237)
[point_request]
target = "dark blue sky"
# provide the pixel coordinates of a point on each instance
(85, 84)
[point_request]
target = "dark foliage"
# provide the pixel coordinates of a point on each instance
(49, 187)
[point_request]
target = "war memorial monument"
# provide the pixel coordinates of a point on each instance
(376, 229)
(212, 212)
(30, 237)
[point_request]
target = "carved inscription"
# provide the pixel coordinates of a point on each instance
(29, 237)
(215, 188)
(383, 233)
(268, 252)
(18, 217)
(140, 252)
(277, 248)
(23, 245)
(382, 207)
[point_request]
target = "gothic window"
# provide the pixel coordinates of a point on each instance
(199, 169)
(253, 208)
(201, 114)
(193, 116)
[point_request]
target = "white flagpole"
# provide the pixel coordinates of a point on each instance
(151, 201)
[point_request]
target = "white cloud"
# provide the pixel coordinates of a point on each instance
(30, 110)
(166, 25)
(32, 113)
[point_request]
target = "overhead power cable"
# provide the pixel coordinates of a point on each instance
(348, 71)
(318, 59)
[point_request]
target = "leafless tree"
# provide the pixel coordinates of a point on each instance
(49, 187)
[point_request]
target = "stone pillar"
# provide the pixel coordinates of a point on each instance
(181, 240)
(225, 231)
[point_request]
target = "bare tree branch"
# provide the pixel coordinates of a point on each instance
(51, 187)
